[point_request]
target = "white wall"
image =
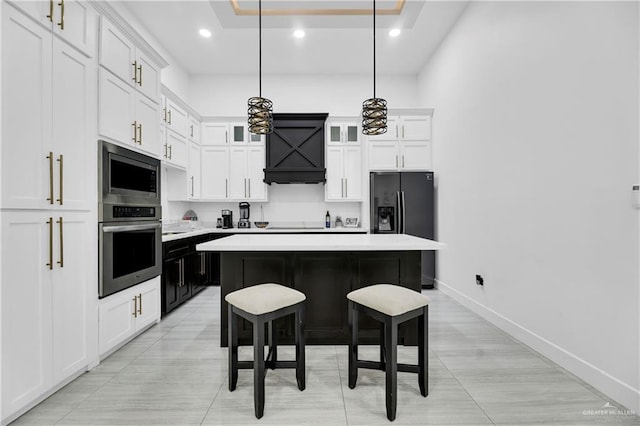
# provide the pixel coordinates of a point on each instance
(341, 95)
(536, 150)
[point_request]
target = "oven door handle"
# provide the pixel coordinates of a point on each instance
(120, 228)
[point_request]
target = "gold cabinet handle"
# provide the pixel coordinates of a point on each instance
(403, 159)
(192, 186)
(135, 307)
(403, 131)
(50, 15)
(192, 130)
(140, 133)
(50, 223)
(169, 112)
(60, 160)
(61, 261)
(140, 304)
(346, 188)
(170, 152)
(164, 113)
(396, 161)
(226, 188)
(396, 131)
(135, 71)
(226, 136)
(61, 23)
(50, 158)
(135, 133)
(249, 182)
(140, 70)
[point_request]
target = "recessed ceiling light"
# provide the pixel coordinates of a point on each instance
(394, 32)
(205, 33)
(298, 34)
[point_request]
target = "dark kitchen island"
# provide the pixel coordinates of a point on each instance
(325, 268)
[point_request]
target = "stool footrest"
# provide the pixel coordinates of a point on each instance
(248, 365)
(375, 365)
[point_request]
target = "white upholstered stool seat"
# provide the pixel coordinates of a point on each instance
(391, 300)
(262, 298)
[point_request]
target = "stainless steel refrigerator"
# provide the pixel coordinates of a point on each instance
(403, 203)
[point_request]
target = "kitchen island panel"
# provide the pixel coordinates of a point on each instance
(325, 278)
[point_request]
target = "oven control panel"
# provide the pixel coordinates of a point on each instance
(132, 211)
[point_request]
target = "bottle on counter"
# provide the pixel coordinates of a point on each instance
(338, 222)
(327, 220)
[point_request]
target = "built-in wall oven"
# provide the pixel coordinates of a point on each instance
(130, 231)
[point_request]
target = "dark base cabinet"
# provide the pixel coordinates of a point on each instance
(186, 272)
(325, 278)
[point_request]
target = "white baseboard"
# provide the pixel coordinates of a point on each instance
(614, 388)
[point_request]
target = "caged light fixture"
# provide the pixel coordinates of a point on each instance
(260, 109)
(374, 110)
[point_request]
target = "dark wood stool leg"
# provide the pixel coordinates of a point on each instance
(258, 367)
(423, 352)
(300, 348)
(353, 345)
(391, 371)
(233, 350)
(382, 350)
(273, 343)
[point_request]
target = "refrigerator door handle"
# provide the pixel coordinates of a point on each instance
(404, 215)
(398, 214)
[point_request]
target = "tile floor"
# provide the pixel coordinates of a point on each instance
(176, 373)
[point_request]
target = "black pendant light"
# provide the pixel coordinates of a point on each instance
(374, 110)
(260, 109)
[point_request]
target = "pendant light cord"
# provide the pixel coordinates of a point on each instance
(374, 48)
(260, 47)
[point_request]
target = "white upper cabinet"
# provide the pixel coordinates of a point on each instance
(344, 161)
(126, 116)
(121, 57)
(342, 133)
(194, 172)
(72, 20)
(176, 118)
(215, 172)
(194, 130)
(406, 145)
(175, 150)
(214, 133)
(46, 162)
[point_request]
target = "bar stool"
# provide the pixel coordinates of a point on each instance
(261, 304)
(391, 305)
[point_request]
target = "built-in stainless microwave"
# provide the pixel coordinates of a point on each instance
(127, 178)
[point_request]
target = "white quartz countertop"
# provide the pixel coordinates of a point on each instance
(258, 231)
(320, 242)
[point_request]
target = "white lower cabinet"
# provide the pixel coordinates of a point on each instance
(344, 173)
(127, 313)
(48, 276)
(215, 172)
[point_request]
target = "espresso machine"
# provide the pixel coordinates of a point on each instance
(244, 216)
(227, 219)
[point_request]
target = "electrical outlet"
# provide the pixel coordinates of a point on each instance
(479, 280)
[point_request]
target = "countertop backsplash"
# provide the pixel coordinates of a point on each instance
(291, 202)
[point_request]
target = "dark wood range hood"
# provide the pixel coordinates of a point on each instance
(295, 149)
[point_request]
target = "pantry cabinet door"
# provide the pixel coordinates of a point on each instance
(117, 53)
(147, 116)
(72, 280)
(77, 25)
(26, 115)
(26, 308)
(74, 113)
(238, 173)
(334, 187)
(148, 78)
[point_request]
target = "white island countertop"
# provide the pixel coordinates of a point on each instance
(319, 242)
